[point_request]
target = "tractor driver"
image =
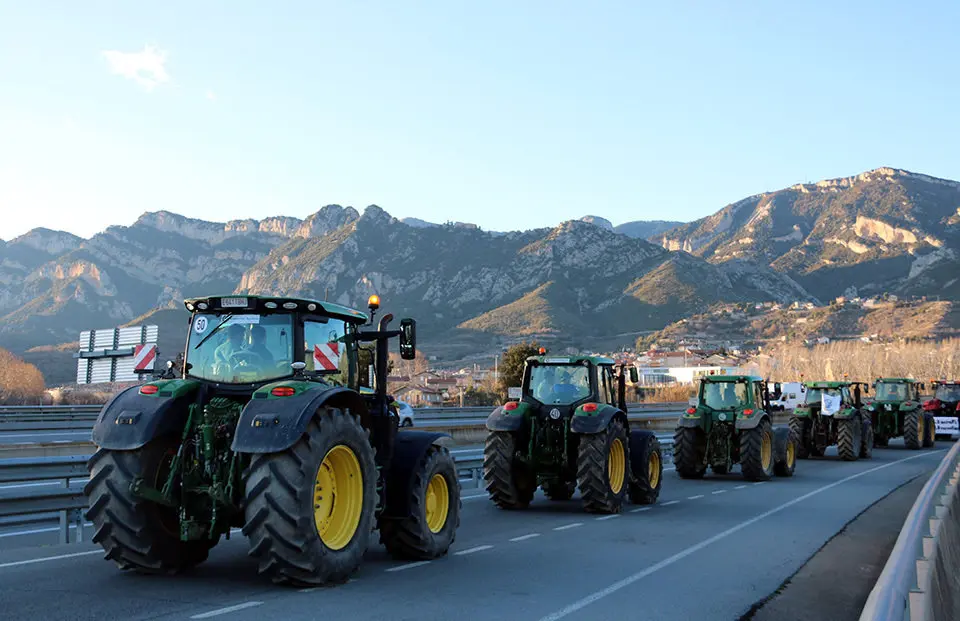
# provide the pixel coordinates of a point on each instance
(258, 344)
(234, 343)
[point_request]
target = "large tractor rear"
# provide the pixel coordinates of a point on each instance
(272, 427)
(896, 411)
(833, 415)
(732, 424)
(569, 429)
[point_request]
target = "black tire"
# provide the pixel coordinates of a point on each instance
(784, 451)
(508, 483)
(914, 430)
(415, 537)
(280, 504)
(135, 533)
(930, 428)
(646, 462)
(866, 446)
(598, 490)
(799, 428)
(849, 438)
(559, 490)
(689, 448)
(756, 452)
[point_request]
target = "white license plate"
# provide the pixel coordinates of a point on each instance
(233, 302)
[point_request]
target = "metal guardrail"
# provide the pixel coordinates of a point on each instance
(903, 590)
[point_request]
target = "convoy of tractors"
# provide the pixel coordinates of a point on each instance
(277, 421)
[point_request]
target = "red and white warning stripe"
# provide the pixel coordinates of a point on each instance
(326, 356)
(144, 356)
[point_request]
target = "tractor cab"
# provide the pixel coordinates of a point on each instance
(835, 396)
(945, 407)
(892, 392)
(896, 411)
(564, 383)
(726, 397)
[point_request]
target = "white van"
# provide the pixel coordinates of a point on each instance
(791, 395)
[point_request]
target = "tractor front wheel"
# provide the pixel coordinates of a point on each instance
(603, 465)
(509, 484)
(931, 428)
(785, 452)
(138, 534)
(689, 449)
(309, 509)
(647, 465)
(914, 429)
(429, 530)
(849, 438)
(756, 452)
(799, 429)
(866, 446)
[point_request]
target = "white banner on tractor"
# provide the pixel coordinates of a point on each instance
(116, 354)
(829, 405)
(326, 356)
(947, 424)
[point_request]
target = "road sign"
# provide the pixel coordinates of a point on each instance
(116, 354)
(514, 392)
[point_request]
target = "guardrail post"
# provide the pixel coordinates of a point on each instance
(64, 521)
(78, 516)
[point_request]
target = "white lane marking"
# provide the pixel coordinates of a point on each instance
(640, 509)
(569, 526)
(409, 566)
(740, 487)
(474, 497)
(719, 491)
(223, 611)
(698, 496)
(525, 537)
(472, 550)
(669, 469)
(607, 517)
(758, 483)
(48, 558)
(670, 560)
(668, 503)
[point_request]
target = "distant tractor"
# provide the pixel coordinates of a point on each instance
(272, 427)
(732, 424)
(570, 428)
(895, 411)
(833, 414)
(945, 408)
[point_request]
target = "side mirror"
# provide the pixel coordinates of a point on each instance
(169, 364)
(634, 375)
(408, 339)
(298, 367)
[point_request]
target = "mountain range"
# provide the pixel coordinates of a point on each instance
(472, 290)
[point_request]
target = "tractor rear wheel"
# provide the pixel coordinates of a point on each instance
(647, 465)
(931, 428)
(559, 490)
(603, 468)
(914, 429)
(849, 438)
(135, 533)
(309, 509)
(509, 484)
(799, 428)
(689, 449)
(435, 506)
(866, 446)
(756, 452)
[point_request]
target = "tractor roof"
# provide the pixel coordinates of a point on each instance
(548, 359)
(945, 383)
(896, 380)
(261, 303)
(731, 378)
(826, 384)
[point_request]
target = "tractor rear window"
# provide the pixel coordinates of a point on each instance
(948, 393)
(724, 395)
(241, 348)
(559, 384)
(814, 395)
(892, 392)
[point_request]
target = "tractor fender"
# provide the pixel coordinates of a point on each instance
(409, 450)
(271, 425)
(845, 414)
(507, 420)
(802, 412)
(689, 420)
(130, 419)
(596, 421)
(744, 422)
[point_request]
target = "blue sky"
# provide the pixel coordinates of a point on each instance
(507, 114)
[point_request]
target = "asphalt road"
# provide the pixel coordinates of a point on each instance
(708, 550)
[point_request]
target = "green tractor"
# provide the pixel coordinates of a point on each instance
(273, 427)
(570, 427)
(896, 409)
(730, 424)
(833, 414)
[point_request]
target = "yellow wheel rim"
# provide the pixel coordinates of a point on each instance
(338, 497)
(617, 466)
(653, 469)
(920, 428)
(437, 504)
(766, 451)
(791, 454)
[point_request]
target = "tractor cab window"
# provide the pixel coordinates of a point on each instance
(846, 395)
(758, 395)
(326, 349)
(559, 384)
(724, 395)
(240, 349)
(947, 392)
(607, 391)
(891, 392)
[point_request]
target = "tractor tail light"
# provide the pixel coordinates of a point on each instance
(589, 407)
(748, 412)
(283, 391)
(510, 406)
(691, 410)
(148, 389)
